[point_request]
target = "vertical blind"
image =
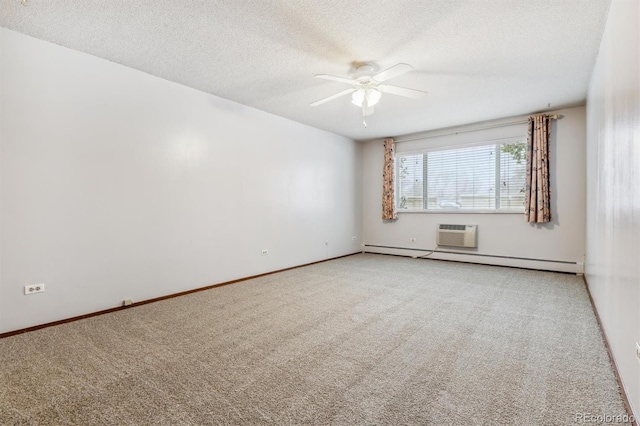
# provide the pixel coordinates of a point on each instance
(486, 177)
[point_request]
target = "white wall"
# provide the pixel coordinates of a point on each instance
(613, 189)
(509, 235)
(116, 184)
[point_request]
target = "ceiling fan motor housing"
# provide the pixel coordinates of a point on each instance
(364, 73)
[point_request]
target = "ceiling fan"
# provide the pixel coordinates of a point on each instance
(367, 88)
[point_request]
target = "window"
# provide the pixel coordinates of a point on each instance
(476, 178)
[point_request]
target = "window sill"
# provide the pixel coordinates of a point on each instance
(460, 212)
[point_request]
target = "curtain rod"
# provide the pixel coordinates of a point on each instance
(510, 123)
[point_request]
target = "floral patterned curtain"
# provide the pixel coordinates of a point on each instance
(537, 195)
(388, 185)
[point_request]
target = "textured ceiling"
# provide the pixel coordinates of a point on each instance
(478, 59)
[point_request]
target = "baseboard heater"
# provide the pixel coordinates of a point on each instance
(483, 258)
(497, 256)
(457, 235)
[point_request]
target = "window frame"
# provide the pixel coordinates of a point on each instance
(425, 151)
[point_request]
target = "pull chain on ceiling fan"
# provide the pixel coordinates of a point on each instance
(367, 88)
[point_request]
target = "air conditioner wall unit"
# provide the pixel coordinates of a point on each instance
(457, 235)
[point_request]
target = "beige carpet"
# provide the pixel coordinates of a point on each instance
(366, 339)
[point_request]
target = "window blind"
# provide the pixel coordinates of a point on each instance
(479, 178)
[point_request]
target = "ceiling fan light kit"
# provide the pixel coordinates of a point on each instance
(371, 96)
(366, 88)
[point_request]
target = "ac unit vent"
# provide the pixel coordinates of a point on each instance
(457, 235)
(454, 227)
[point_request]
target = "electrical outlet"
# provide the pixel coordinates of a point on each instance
(638, 349)
(413, 240)
(265, 252)
(35, 288)
(127, 302)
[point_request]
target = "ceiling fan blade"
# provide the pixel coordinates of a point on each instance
(335, 78)
(392, 72)
(402, 91)
(332, 97)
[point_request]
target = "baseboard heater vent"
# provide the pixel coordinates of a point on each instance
(457, 235)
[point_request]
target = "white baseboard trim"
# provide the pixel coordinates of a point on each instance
(485, 259)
